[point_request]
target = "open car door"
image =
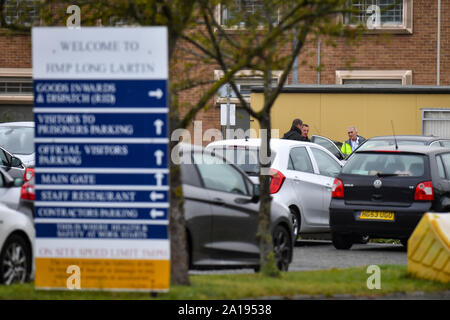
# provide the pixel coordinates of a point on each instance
(329, 145)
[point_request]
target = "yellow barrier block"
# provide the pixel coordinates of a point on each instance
(429, 248)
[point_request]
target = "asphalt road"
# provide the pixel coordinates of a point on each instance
(321, 255)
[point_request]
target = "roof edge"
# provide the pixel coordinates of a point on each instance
(380, 89)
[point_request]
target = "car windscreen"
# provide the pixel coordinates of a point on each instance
(385, 164)
(246, 158)
(17, 140)
(371, 144)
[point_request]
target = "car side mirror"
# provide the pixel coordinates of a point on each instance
(255, 195)
(16, 162)
(18, 182)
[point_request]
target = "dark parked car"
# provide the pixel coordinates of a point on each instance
(384, 193)
(221, 211)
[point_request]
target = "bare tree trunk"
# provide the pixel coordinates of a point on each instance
(267, 258)
(179, 260)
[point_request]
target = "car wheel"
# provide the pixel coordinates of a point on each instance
(296, 220)
(342, 241)
(282, 247)
(15, 261)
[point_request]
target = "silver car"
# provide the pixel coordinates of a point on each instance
(18, 139)
(16, 235)
(221, 211)
(302, 177)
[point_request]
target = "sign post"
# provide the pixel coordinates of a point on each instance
(101, 142)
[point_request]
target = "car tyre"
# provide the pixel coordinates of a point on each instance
(296, 222)
(15, 261)
(282, 247)
(342, 241)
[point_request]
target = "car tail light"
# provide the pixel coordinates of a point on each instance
(338, 189)
(28, 192)
(424, 191)
(29, 174)
(276, 181)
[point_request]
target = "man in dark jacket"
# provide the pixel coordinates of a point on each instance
(305, 131)
(296, 131)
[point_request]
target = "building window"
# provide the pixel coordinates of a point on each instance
(16, 85)
(395, 16)
(389, 77)
(244, 80)
(16, 94)
(21, 12)
(242, 9)
(436, 122)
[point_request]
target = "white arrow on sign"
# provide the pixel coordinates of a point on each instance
(159, 155)
(158, 93)
(159, 178)
(156, 213)
(156, 196)
(158, 126)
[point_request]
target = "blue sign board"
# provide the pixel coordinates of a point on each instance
(101, 141)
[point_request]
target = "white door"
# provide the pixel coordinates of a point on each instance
(305, 186)
(327, 168)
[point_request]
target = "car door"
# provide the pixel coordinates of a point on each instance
(329, 145)
(198, 214)
(326, 168)
(235, 217)
(305, 186)
(9, 194)
(14, 168)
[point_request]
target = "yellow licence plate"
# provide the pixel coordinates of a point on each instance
(377, 215)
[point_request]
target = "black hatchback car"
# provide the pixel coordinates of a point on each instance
(384, 193)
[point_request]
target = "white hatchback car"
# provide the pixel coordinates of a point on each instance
(302, 177)
(16, 246)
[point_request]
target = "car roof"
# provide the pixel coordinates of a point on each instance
(256, 142)
(406, 148)
(406, 137)
(18, 124)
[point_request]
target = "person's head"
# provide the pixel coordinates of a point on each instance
(297, 123)
(352, 133)
(305, 130)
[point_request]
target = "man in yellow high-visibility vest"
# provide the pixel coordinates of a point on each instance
(353, 142)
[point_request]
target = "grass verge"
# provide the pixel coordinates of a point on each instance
(394, 279)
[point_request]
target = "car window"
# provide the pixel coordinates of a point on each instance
(219, 176)
(327, 144)
(446, 165)
(3, 158)
(385, 164)
(445, 143)
(246, 158)
(17, 140)
(440, 167)
(327, 165)
(300, 161)
(189, 175)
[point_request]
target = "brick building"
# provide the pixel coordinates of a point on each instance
(407, 49)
